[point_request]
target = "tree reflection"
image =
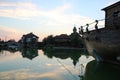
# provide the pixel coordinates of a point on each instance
(102, 71)
(29, 53)
(9, 50)
(64, 54)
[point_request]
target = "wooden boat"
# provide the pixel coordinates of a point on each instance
(104, 44)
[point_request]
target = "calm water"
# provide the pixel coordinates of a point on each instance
(28, 64)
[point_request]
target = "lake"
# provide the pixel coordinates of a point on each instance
(33, 64)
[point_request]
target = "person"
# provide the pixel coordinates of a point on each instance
(81, 30)
(87, 28)
(96, 26)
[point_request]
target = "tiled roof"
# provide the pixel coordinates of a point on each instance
(30, 35)
(62, 36)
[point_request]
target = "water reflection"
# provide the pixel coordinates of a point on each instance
(102, 71)
(10, 50)
(64, 54)
(58, 65)
(50, 64)
(29, 53)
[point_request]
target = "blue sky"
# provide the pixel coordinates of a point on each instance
(47, 17)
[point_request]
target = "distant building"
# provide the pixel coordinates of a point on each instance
(112, 16)
(72, 40)
(75, 33)
(62, 40)
(29, 40)
(76, 40)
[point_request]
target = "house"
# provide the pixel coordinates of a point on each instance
(62, 40)
(72, 40)
(112, 16)
(29, 40)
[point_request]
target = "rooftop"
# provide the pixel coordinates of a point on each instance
(111, 6)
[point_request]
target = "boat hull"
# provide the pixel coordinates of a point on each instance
(103, 45)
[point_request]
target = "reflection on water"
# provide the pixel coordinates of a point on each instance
(64, 54)
(102, 71)
(33, 64)
(54, 64)
(29, 53)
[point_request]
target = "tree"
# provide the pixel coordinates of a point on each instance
(49, 40)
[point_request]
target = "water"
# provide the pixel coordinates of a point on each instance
(28, 64)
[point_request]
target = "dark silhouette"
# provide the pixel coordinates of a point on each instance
(87, 30)
(29, 53)
(64, 54)
(101, 71)
(96, 26)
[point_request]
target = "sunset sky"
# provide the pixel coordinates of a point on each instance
(47, 17)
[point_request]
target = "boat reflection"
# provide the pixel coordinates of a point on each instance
(102, 71)
(29, 53)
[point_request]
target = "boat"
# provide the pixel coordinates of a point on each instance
(104, 44)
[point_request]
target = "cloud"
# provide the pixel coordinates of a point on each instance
(26, 10)
(20, 10)
(54, 21)
(61, 9)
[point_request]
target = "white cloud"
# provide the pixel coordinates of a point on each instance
(55, 21)
(61, 9)
(20, 10)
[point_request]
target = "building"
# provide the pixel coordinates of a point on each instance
(112, 16)
(62, 40)
(74, 34)
(29, 40)
(76, 40)
(72, 40)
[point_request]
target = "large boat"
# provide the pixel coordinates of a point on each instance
(104, 43)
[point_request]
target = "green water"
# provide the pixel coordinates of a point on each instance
(32, 64)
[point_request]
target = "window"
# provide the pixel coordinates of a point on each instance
(116, 14)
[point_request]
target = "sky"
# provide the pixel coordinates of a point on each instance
(47, 17)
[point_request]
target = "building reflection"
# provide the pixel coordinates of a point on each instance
(64, 54)
(29, 53)
(102, 71)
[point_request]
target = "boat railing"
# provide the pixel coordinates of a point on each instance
(96, 25)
